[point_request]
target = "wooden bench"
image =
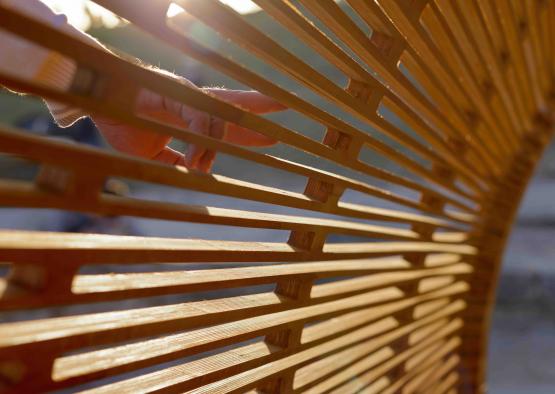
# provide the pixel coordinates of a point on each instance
(456, 97)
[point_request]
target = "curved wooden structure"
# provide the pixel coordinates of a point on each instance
(403, 306)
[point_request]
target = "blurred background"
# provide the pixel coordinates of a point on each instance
(522, 348)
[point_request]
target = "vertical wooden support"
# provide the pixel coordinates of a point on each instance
(480, 123)
(426, 233)
(37, 280)
(392, 49)
(492, 234)
(43, 279)
(311, 241)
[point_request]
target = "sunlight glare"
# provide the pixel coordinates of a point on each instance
(241, 6)
(174, 10)
(75, 11)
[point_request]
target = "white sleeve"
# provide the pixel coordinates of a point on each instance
(26, 60)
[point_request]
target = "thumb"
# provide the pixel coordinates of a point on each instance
(252, 101)
(170, 156)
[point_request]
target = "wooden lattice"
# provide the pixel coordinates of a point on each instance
(403, 306)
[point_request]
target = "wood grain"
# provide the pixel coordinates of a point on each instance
(378, 268)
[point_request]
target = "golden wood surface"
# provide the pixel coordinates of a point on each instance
(403, 306)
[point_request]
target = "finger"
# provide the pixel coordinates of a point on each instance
(170, 156)
(218, 130)
(131, 140)
(148, 101)
(252, 101)
(247, 137)
(206, 161)
(199, 125)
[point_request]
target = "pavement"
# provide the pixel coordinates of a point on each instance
(522, 342)
(521, 356)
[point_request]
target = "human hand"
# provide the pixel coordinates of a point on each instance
(144, 143)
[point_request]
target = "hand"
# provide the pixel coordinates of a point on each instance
(144, 143)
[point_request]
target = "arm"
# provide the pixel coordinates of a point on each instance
(30, 61)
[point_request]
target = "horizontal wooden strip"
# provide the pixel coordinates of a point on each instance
(146, 383)
(362, 247)
(90, 365)
(355, 285)
(124, 72)
(78, 158)
(346, 29)
(116, 360)
(343, 382)
(297, 23)
(250, 379)
(122, 286)
(194, 373)
(249, 276)
(95, 288)
(446, 385)
(316, 371)
(331, 364)
(452, 237)
(142, 321)
(427, 369)
(416, 336)
(456, 216)
(160, 29)
(437, 260)
(113, 287)
(186, 376)
(46, 247)
(344, 324)
(25, 195)
(337, 365)
(441, 368)
(229, 24)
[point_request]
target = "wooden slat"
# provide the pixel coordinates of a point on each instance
(248, 379)
(179, 381)
(418, 41)
(456, 97)
(428, 374)
(223, 19)
(113, 325)
(197, 99)
(17, 143)
(99, 288)
(340, 23)
(26, 195)
(232, 277)
(44, 248)
(370, 281)
(368, 377)
(294, 21)
(121, 358)
(226, 65)
(316, 372)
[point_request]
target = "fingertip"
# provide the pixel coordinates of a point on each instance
(260, 103)
(206, 161)
(169, 156)
(181, 161)
(267, 141)
(190, 160)
(277, 106)
(192, 156)
(250, 100)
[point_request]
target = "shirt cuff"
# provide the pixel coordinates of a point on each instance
(57, 72)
